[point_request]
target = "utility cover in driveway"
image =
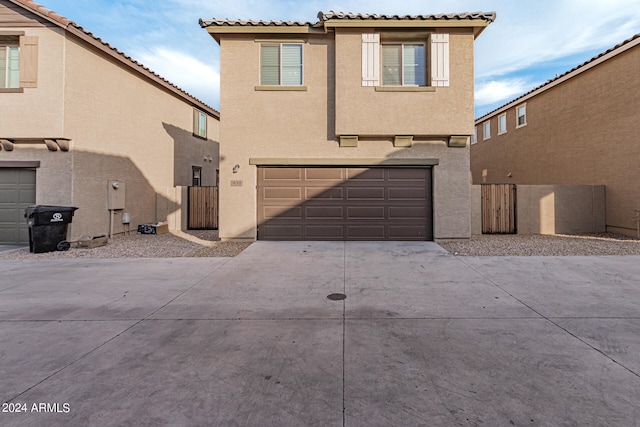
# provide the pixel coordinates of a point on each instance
(328, 203)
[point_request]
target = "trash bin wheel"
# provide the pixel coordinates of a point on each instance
(63, 246)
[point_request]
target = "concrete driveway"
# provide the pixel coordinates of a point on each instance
(423, 338)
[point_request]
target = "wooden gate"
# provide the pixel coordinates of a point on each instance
(203, 208)
(499, 209)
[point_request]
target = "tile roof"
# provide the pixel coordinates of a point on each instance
(575, 70)
(251, 23)
(486, 16)
(70, 25)
(325, 16)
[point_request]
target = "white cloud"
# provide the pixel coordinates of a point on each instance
(493, 91)
(200, 79)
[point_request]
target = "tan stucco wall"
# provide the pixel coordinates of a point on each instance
(551, 209)
(583, 131)
(122, 127)
(364, 111)
(301, 124)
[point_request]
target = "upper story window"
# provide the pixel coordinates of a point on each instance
(199, 124)
(486, 134)
(403, 64)
(521, 115)
(474, 137)
(281, 64)
(502, 123)
(9, 62)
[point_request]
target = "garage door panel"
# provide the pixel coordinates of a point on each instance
(365, 193)
(363, 174)
(366, 212)
(324, 174)
(408, 212)
(282, 232)
(336, 193)
(287, 212)
(324, 232)
(402, 174)
(357, 204)
(324, 212)
(281, 173)
(407, 193)
(402, 232)
(275, 193)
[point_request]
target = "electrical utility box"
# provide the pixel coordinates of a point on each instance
(115, 194)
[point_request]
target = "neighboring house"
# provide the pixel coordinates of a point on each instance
(75, 114)
(355, 127)
(581, 127)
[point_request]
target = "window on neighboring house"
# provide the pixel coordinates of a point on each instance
(521, 116)
(9, 62)
(474, 137)
(199, 124)
(502, 123)
(486, 134)
(281, 64)
(403, 65)
(18, 61)
(196, 180)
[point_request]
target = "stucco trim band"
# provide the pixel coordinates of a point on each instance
(365, 161)
(405, 89)
(282, 88)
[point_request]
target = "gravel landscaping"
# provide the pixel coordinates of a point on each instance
(185, 244)
(205, 244)
(596, 244)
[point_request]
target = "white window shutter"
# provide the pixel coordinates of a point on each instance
(371, 59)
(439, 60)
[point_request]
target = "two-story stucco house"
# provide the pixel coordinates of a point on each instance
(76, 114)
(355, 127)
(580, 127)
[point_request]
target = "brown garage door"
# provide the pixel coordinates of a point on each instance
(324, 203)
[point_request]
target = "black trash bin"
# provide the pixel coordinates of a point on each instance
(48, 227)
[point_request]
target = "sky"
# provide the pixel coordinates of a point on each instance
(530, 42)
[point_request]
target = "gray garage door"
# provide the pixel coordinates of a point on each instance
(17, 191)
(325, 203)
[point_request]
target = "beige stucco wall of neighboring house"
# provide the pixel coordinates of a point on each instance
(365, 111)
(121, 126)
(302, 125)
(125, 129)
(582, 131)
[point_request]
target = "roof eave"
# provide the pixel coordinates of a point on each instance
(478, 25)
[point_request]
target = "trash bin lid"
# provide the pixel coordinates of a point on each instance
(51, 208)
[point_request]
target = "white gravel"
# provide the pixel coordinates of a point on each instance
(205, 244)
(596, 244)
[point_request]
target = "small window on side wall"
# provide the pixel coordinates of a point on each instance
(474, 137)
(199, 124)
(196, 176)
(502, 123)
(486, 134)
(521, 116)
